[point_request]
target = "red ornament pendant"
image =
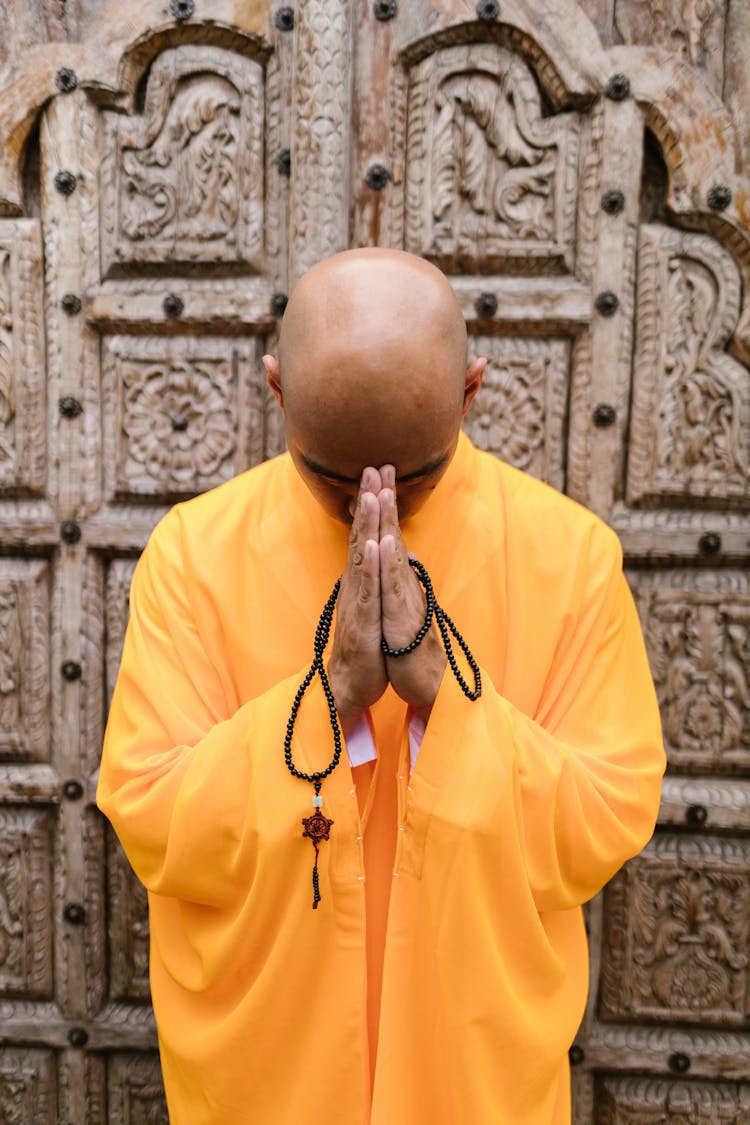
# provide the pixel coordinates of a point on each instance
(316, 827)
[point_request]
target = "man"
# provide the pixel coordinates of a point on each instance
(442, 975)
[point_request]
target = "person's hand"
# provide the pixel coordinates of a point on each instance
(415, 677)
(356, 670)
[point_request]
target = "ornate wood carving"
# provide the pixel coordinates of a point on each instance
(657, 1101)
(183, 184)
(24, 660)
(27, 1086)
(319, 223)
(717, 805)
(697, 632)
(519, 411)
(713, 1053)
(116, 594)
(489, 181)
(22, 400)
(25, 897)
(677, 934)
(135, 1091)
(127, 931)
(178, 407)
(690, 428)
(693, 32)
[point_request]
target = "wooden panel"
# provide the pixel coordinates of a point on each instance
(676, 942)
(519, 412)
(644, 1101)
(690, 425)
(183, 414)
(697, 630)
(217, 157)
(28, 1086)
(22, 401)
(25, 898)
(24, 660)
(183, 182)
(489, 182)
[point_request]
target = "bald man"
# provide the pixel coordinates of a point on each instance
(457, 795)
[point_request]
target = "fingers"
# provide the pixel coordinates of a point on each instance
(365, 518)
(389, 518)
(368, 593)
(388, 477)
(391, 575)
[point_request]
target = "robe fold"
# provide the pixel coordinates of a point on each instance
(465, 918)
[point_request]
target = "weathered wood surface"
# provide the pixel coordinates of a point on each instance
(580, 170)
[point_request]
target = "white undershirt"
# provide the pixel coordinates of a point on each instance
(360, 744)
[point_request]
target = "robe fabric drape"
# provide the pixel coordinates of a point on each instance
(519, 808)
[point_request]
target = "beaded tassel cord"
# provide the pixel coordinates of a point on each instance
(317, 826)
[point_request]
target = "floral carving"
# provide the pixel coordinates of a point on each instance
(691, 401)
(481, 159)
(488, 178)
(677, 934)
(518, 412)
(185, 181)
(177, 408)
(177, 420)
(699, 649)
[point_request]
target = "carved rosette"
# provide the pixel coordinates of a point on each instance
(177, 406)
(22, 398)
(690, 425)
(658, 1101)
(677, 934)
(134, 1089)
(27, 1086)
(25, 896)
(519, 411)
(24, 660)
(697, 632)
(489, 181)
(183, 183)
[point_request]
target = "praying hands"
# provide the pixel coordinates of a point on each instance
(381, 597)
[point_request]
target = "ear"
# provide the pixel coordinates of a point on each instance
(474, 376)
(273, 375)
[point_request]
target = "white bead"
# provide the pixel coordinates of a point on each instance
(317, 802)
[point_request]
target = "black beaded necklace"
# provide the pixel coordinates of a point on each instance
(317, 827)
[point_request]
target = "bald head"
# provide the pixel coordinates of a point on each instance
(371, 307)
(372, 364)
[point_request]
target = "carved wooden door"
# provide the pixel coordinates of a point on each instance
(166, 173)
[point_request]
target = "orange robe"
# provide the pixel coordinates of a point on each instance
(520, 806)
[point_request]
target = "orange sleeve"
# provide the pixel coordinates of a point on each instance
(178, 764)
(582, 778)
